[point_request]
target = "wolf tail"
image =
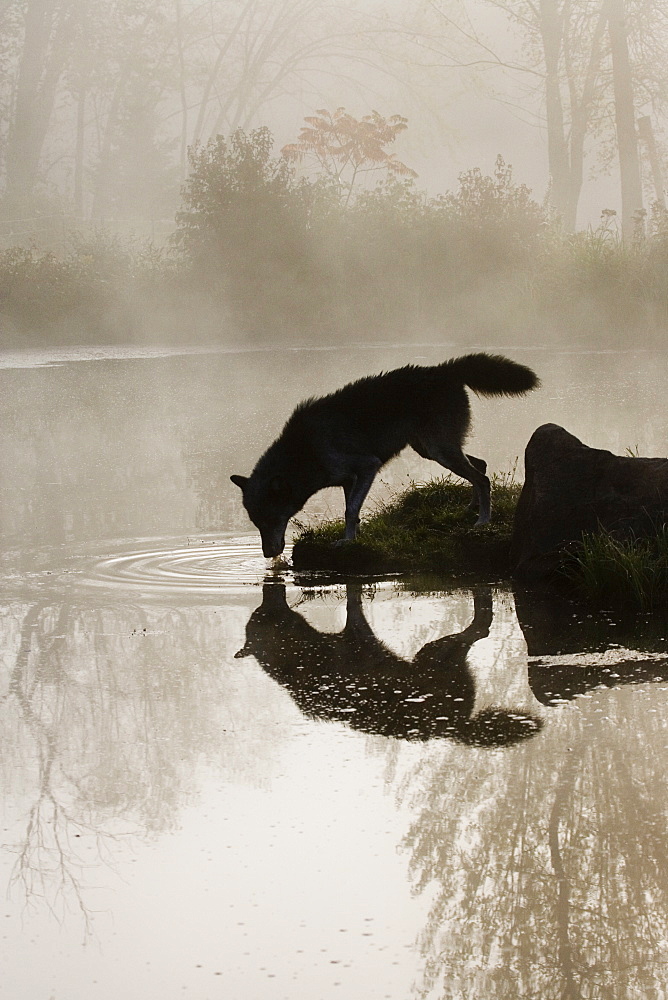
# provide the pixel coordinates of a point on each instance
(492, 374)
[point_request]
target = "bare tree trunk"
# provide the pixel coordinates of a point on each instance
(627, 139)
(581, 110)
(551, 29)
(646, 133)
(102, 180)
(213, 75)
(183, 152)
(101, 195)
(79, 154)
(566, 151)
(40, 68)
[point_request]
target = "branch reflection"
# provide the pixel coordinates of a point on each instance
(105, 712)
(543, 860)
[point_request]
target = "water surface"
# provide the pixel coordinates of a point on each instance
(219, 781)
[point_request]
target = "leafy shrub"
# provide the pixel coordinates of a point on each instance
(288, 258)
(492, 222)
(486, 203)
(245, 224)
(596, 281)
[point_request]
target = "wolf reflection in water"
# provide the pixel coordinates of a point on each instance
(353, 677)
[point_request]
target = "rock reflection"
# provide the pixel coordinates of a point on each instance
(353, 677)
(572, 652)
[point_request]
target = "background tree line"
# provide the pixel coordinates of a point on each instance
(261, 251)
(158, 109)
(100, 101)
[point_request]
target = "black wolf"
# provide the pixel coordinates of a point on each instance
(344, 439)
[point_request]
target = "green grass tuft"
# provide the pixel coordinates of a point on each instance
(425, 529)
(629, 574)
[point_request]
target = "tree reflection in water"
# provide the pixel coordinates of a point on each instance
(546, 859)
(548, 871)
(107, 712)
(536, 827)
(547, 865)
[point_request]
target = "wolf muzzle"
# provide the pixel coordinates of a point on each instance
(273, 544)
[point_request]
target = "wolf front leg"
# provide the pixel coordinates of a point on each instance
(356, 488)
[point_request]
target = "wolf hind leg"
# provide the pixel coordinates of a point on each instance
(478, 463)
(466, 467)
(481, 465)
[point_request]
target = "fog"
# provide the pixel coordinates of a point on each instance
(220, 778)
(104, 221)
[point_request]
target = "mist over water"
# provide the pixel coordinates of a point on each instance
(221, 777)
(144, 448)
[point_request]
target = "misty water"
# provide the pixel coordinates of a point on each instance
(220, 780)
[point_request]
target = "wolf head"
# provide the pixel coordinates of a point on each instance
(270, 506)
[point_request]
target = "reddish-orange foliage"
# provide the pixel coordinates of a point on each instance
(340, 142)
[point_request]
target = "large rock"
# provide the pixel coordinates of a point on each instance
(571, 489)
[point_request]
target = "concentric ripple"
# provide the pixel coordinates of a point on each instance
(198, 568)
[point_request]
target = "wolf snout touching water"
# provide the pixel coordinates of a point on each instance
(343, 439)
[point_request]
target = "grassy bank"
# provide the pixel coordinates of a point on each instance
(429, 530)
(425, 529)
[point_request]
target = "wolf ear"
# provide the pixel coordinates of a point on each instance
(239, 481)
